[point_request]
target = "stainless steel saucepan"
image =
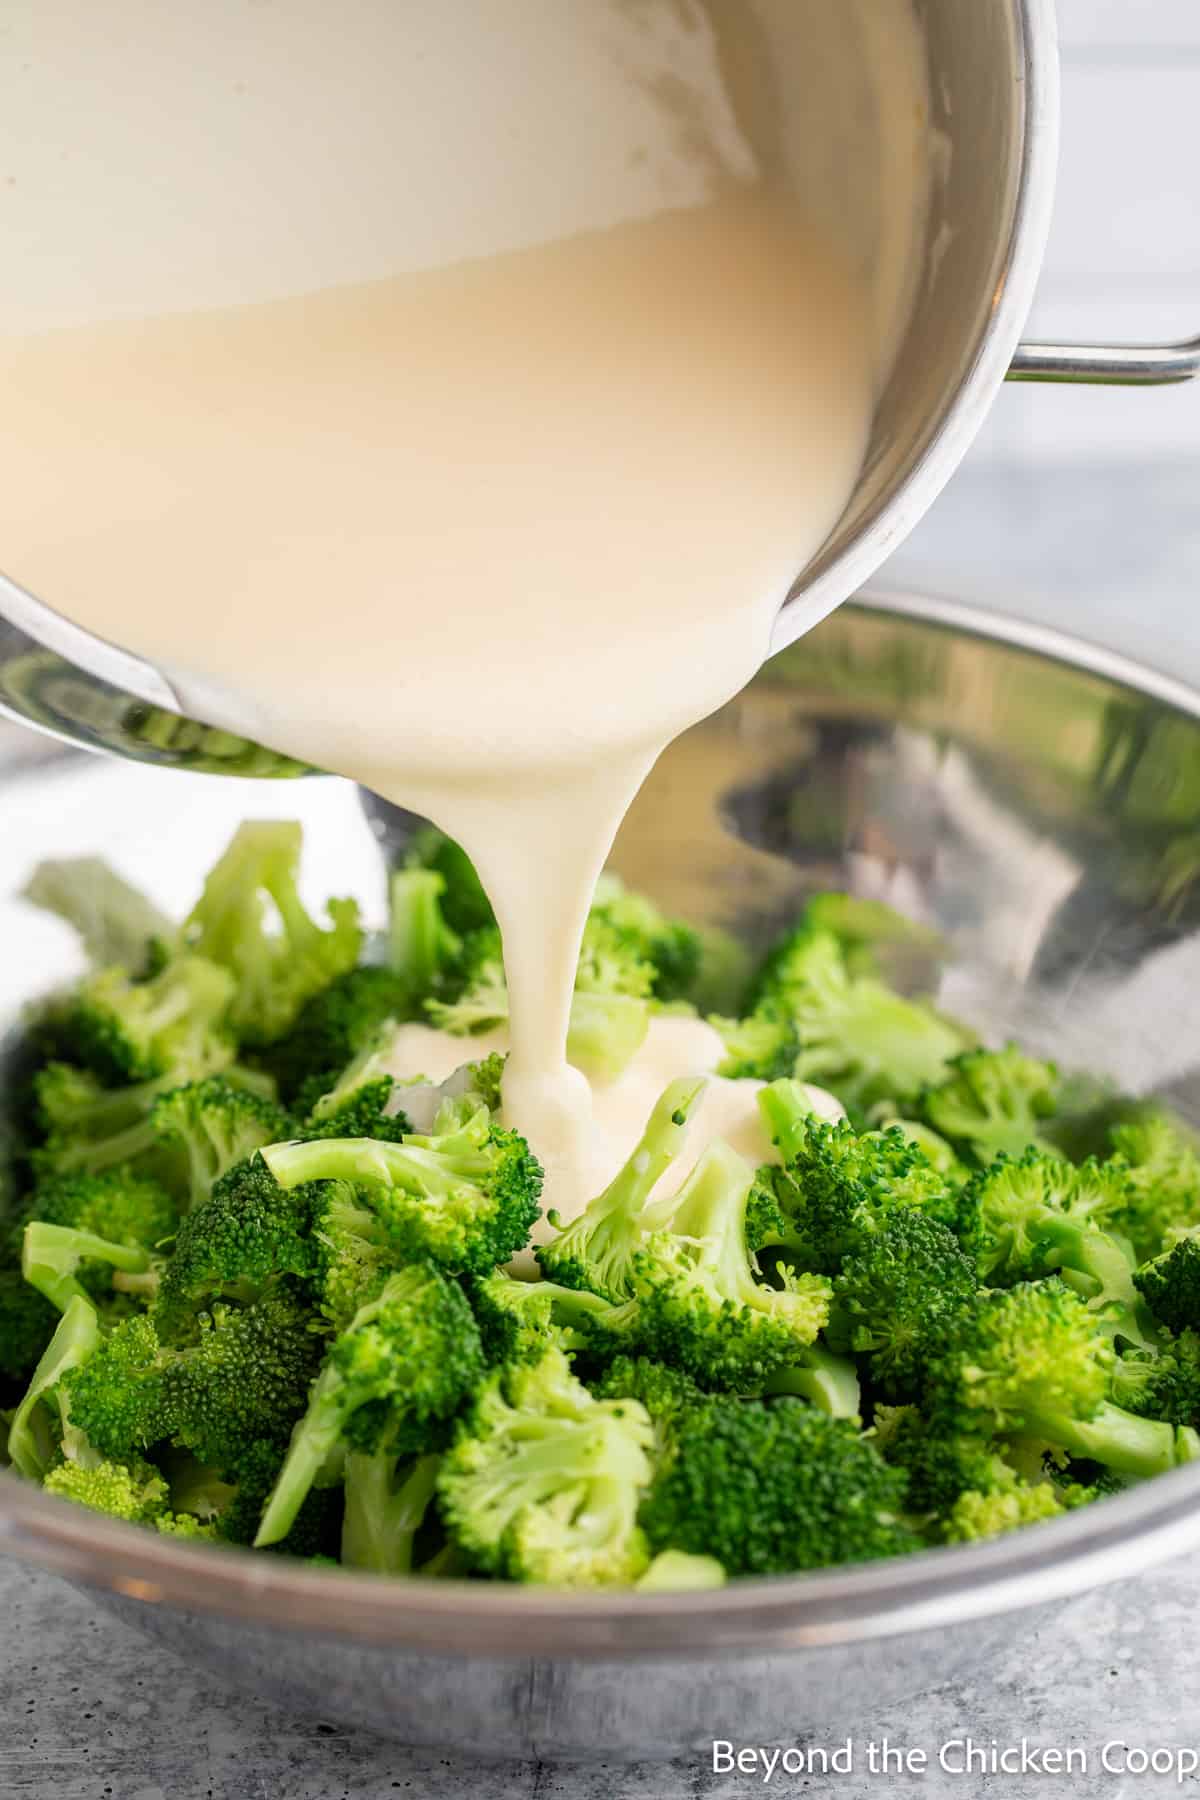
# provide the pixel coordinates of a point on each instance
(994, 110)
(1037, 803)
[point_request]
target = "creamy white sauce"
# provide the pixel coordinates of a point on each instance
(673, 1046)
(449, 396)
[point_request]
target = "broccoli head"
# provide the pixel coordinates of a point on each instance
(217, 1124)
(466, 1195)
(116, 923)
(519, 1320)
(132, 1031)
(767, 1487)
(1021, 1220)
(134, 1490)
(834, 1185)
(700, 1306)
(543, 1482)
(247, 1234)
(402, 1367)
(1170, 1282)
(762, 1047)
(1163, 1190)
(596, 1250)
(994, 1101)
(895, 1294)
(857, 1035)
(251, 921)
(119, 1205)
(1031, 1362)
(338, 1024)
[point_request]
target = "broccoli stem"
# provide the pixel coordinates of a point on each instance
(824, 1378)
(1085, 1251)
(51, 1255)
(369, 1160)
(1120, 1440)
(420, 943)
(382, 1515)
(604, 1032)
(593, 1250)
(786, 1109)
(314, 1439)
(30, 1444)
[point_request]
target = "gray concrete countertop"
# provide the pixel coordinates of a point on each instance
(88, 1711)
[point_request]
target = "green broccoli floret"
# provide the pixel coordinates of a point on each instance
(464, 903)
(960, 1482)
(466, 1195)
(895, 1294)
(115, 1395)
(671, 951)
(675, 1572)
(364, 1101)
(825, 1378)
(932, 1145)
(1163, 1192)
(317, 1527)
(407, 1360)
(132, 1031)
(36, 1431)
(387, 1501)
(1030, 1362)
(699, 1304)
(116, 923)
(27, 1321)
(133, 1491)
(217, 1125)
(118, 1205)
(244, 1377)
(343, 1021)
(1163, 1383)
(543, 1481)
(863, 926)
(422, 949)
(596, 1250)
(994, 1101)
(834, 1185)
(90, 1127)
(768, 1487)
(233, 1246)
(1170, 1282)
(1022, 1220)
(250, 920)
(762, 1047)
(857, 1036)
(187, 1525)
(941, 1459)
(664, 1390)
(993, 1511)
(370, 1109)
(52, 1256)
(519, 1320)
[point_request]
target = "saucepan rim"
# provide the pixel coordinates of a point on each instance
(932, 1590)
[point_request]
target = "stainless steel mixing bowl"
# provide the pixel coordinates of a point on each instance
(1035, 800)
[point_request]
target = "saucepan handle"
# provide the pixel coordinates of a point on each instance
(1112, 365)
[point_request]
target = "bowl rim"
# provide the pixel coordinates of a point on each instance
(934, 1589)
